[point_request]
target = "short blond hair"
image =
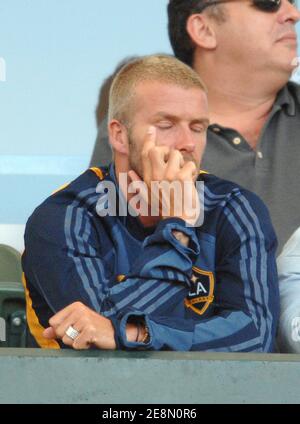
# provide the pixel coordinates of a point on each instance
(160, 68)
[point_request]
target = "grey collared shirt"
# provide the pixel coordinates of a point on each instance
(272, 171)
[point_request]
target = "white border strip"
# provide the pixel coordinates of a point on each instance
(12, 235)
(43, 165)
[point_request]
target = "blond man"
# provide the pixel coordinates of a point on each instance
(106, 269)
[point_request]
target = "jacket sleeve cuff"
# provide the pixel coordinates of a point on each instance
(120, 332)
(164, 233)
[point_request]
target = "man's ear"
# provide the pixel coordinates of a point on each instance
(118, 137)
(201, 31)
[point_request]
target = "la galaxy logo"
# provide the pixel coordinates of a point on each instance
(201, 294)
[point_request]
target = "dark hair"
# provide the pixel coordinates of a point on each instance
(179, 12)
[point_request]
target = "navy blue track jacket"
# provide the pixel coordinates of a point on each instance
(218, 294)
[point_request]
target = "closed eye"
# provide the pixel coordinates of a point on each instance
(198, 128)
(164, 125)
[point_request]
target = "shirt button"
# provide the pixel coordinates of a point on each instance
(260, 155)
(237, 141)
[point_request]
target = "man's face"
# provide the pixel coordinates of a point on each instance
(260, 40)
(180, 116)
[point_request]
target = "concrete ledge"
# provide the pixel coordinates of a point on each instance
(69, 377)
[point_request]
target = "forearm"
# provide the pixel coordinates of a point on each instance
(137, 332)
(233, 332)
(181, 237)
(160, 275)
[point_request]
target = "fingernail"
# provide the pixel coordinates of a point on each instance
(151, 130)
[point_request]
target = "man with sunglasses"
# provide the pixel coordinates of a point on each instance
(245, 51)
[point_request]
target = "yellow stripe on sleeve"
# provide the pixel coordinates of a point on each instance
(98, 172)
(61, 188)
(33, 322)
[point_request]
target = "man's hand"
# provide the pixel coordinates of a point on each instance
(177, 195)
(94, 329)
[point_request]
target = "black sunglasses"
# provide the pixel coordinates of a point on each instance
(263, 5)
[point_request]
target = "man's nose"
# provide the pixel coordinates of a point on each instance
(185, 141)
(290, 11)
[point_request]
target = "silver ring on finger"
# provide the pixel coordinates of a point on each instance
(72, 333)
